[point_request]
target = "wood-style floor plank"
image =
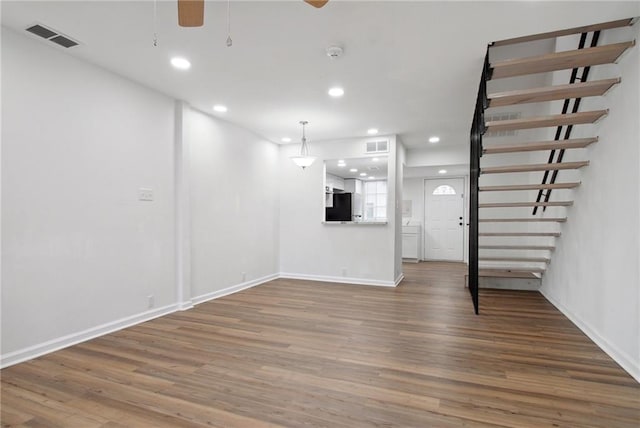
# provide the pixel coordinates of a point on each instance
(293, 353)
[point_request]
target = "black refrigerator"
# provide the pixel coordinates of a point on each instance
(341, 209)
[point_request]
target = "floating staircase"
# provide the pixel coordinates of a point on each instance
(514, 221)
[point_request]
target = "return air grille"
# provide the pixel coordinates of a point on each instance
(41, 31)
(63, 41)
(52, 36)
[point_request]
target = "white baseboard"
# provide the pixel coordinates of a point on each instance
(185, 306)
(53, 345)
(627, 363)
(49, 346)
(338, 279)
(233, 289)
(399, 279)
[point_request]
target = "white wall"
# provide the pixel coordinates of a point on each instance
(413, 190)
(341, 252)
(594, 275)
(79, 250)
(233, 191)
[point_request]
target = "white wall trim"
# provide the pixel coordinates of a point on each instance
(338, 279)
(186, 305)
(49, 346)
(53, 345)
(233, 289)
(399, 279)
(618, 356)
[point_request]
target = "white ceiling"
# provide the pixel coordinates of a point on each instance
(375, 166)
(409, 68)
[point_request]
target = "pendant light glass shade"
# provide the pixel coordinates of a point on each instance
(304, 159)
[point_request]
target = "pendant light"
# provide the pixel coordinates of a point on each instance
(304, 159)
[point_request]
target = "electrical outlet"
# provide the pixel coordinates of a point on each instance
(151, 301)
(145, 194)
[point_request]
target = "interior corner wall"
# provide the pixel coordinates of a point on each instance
(80, 252)
(314, 250)
(234, 206)
(401, 159)
(594, 274)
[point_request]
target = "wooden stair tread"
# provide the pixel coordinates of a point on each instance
(506, 273)
(517, 247)
(551, 93)
(605, 54)
(525, 204)
(519, 234)
(523, 219)
(533, 167)
(546, 121)
(516, 259)
(577, 143)
(576, 30)
(513, 187)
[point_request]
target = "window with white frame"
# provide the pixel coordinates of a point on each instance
(375, 200)
(444, 190)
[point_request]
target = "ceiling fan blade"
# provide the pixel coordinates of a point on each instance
(317, 3)
(190, 13)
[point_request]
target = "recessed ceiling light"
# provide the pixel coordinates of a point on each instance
(434, 139)
(372, 131)
(286, 139)
(220, 108)
(342, 165)
(353, 170)
(340, 160)
(336, 92)
(371, 177)
(375, 159)
(363, 174)
(180, 63)
(442, 171)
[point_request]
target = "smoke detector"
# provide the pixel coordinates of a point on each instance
(334, 52)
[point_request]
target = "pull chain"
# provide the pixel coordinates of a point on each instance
(229, 41)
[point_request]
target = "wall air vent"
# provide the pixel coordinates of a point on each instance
(498, 117)
(381, 146)
(52, 35)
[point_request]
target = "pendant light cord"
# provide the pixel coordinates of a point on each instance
(229, 41)
(304, 149)
(155, 23)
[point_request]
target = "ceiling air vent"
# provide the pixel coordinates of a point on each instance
(498, 117)
(41, 31)
(64, 42)
(381, 146)
(52, 36)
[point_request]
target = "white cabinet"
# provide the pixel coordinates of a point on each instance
(333, 182)
(411, 242)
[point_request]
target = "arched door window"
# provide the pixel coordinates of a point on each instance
(444, 189)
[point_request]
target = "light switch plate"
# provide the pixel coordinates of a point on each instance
(145, 194)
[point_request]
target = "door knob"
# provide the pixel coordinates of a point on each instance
(460, 218)
(460, 223)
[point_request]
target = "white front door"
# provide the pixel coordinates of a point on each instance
(444, 219)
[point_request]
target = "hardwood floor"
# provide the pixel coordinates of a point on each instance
(301, 353)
